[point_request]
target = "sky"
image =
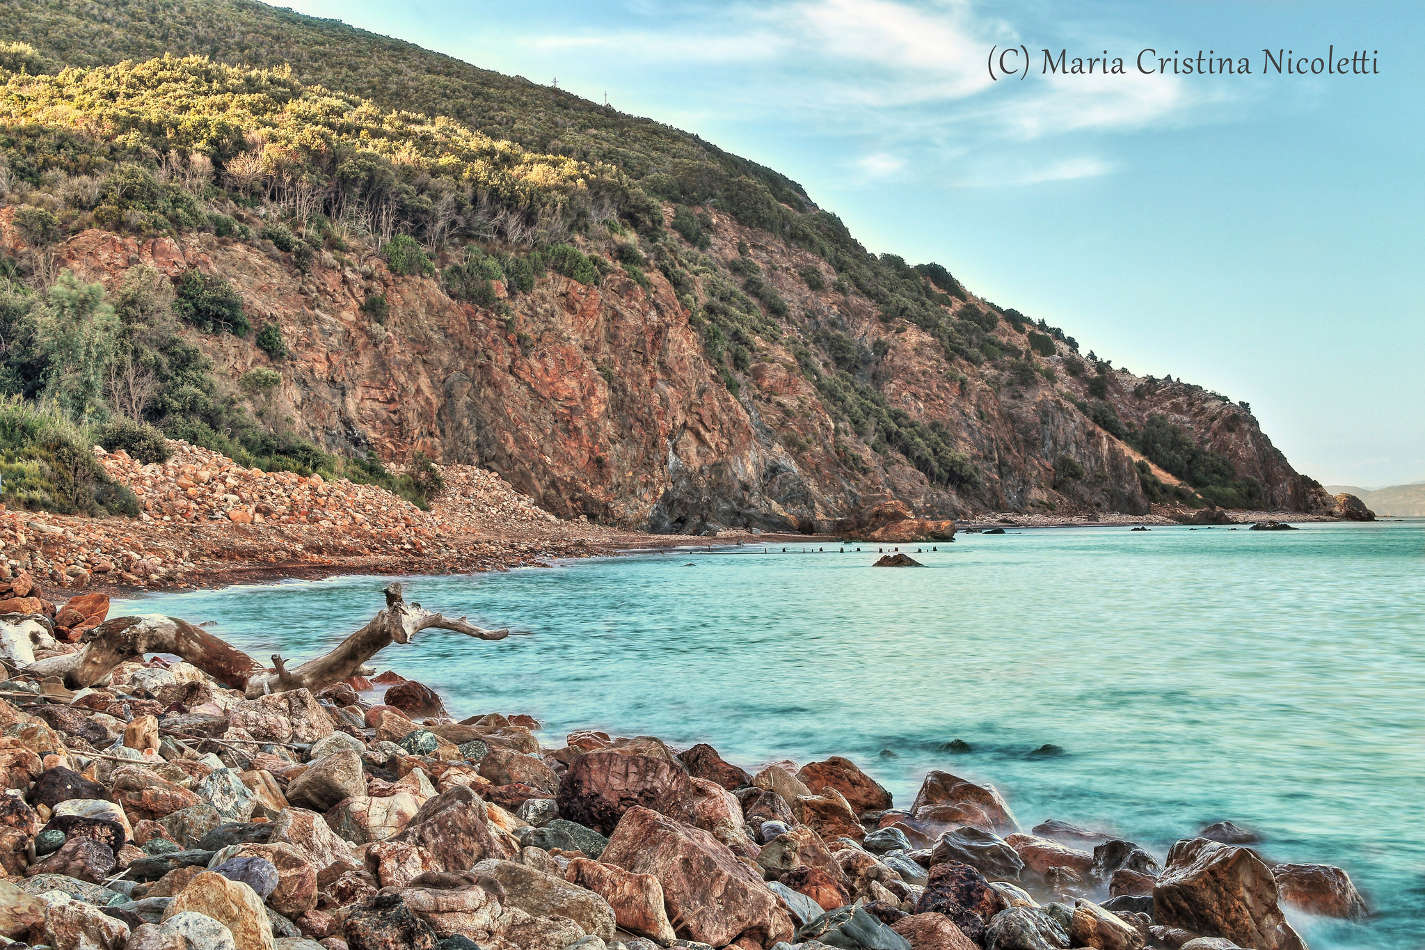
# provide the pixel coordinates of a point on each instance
(1253, 233)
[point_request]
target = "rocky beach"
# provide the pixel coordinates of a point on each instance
(154, 802)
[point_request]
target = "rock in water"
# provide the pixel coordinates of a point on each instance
(984, 851)
(897, 560)
(1273, 526)
(860, 790)
(1222, 891)
(1320, 889)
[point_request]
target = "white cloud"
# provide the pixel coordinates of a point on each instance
(1023, 173)
(880, 164)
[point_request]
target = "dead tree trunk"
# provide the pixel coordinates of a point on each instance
(127, 638)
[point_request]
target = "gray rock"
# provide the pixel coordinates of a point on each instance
(48, 841)
(538, 811)
(1024, 928)
(566, 835)
(328, 780)
(851, 928)
(982, 850)
(336, 742)
(159, 846)
(1228, 832)
(259, 874)
(420, 742)
(771, 829)
(886, 840)
(474, 750)
(75, 888)
(236, 832)
(188, 825)
(804, 909)
(155, 866)
(224, 790)
(909, 871)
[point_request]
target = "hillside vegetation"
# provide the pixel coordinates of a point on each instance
(362, 163)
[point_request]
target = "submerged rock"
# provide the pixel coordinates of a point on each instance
(897, 560)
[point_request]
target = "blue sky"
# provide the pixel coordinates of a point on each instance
(1254, 234)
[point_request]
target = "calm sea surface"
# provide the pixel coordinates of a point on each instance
(1274, 679)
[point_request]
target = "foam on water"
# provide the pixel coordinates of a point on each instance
(1274, 679)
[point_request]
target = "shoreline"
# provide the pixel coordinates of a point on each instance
(362, 814)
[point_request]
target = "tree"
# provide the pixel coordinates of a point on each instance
(78, 334)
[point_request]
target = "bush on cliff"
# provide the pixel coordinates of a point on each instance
(406, 258)
(209, 303)
(139, 439)
(46, 463)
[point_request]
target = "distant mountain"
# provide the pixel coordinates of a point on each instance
(1399, 501)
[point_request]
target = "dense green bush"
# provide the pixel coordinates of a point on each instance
(376, 307)
(139, 439)
(406, 258)
(269, 340)
(1171, 448)
(471, 278)
(210, 303)
(1042, 343)
(691, 227)
(571, 262)
(1066, 470)
(38, 226)
(46, 463)
(811, 277)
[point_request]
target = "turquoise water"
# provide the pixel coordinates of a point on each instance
(1274, 679)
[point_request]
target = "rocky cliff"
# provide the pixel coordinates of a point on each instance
(601, 401)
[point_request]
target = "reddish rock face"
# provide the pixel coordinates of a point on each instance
(1223, 891)
(702, 761)
(823, 886)
(961, 893)
(1041, 854)
(860, 790)
(830, 815)
(414, 698)
(636, 899)
(81, 613)
(1319, 889)
(601, 786)
(942, 788)
(709, 894)
(932, 932)
(455, 831)
(1126, 881)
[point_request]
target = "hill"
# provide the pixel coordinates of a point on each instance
(313, 248)
(1396, 501)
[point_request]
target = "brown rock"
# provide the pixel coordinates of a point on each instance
(143, 794)
(709, 895)
(506, 767)
(1320, 889)
(702, 761)
(313, 839)
(1131, 883)
(932, 932)
(142, 734)
(455, 830)
(81, 613)
(328, 780)
(859, 789)
(414, 698)
(541, 894)
(961, 893)
(79, 857)
(830, 814)
(1222, 891)
(636, 899)
(296, 891)
(826, 887)
(1041, 854)
(798, 847)
(1092, 926)
(601, 786)
(231, 903)
(942, 788)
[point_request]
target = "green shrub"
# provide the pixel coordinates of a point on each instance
(1098, 387)
(260, 380)
(46, 464)
(472, 278)
(571, 262)
(690, 226)
(209, 303)
(406, 258)
(520, 273)
(629, 255)
(280, 235)
(1066, 469)
(375, 307)
(269, 340)
(811, 276)
(1041, 344)
(39, 227)
(139, 439)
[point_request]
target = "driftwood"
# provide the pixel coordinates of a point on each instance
(127, 638)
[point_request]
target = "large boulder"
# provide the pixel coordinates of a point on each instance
(1024, 928)
(984, 851)
(830, 814)
(600, 786)
(961, 893)
(703, 761)
(1092, 926)
(71, 924)
(1041, 854)
(636, 899)
(709, 894)
(943, 788)
(232, 904)
(932, 932)
(1319, 889)
(1348, 507)
(306, 831)
(328, 780)
(455, 830)
(860, 790)
(1222, 891)
(386, 923)
(544, 895)
(852, 927)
